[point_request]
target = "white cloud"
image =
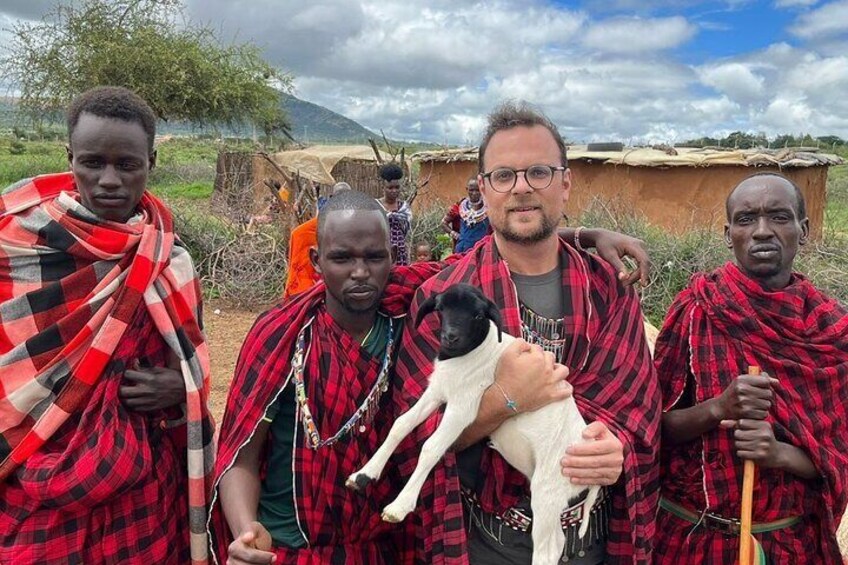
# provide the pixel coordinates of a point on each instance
(588, 98)
(631, 35)
(295, 35)
(793, 90)
(432, 71)
(594, 95)
(788, 114)
(402, 45)
(736, 80)
(826, 21)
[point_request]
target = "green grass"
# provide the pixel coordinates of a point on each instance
(836, 212)
(40, 157)
(184, 150)
(185, 167)
(190, 191)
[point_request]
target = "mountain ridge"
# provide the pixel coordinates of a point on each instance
(310, 123)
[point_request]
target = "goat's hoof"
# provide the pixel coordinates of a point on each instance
(358, 481)
(393, 514)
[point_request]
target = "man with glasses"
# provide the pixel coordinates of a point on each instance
(570, 305)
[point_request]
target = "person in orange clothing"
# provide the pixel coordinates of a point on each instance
(302, 275)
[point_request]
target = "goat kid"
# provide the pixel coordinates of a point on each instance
(533, 442)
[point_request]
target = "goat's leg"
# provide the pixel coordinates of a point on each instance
(453, 423)
(407, 422)
(548, 537)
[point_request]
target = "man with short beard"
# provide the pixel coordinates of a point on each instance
(790, 420)
(570, 305)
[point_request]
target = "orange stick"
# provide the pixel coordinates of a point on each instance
(745, 546)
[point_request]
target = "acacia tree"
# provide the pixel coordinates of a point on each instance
(180, 68)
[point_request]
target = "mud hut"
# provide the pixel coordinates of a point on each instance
(677, 188)
(243, 181)
(447, 170)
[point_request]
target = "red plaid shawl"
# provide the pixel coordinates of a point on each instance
(719, 325)
(70, 287)
(610, 369)
(342, 526)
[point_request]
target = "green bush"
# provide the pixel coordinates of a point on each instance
(676, 257)
(189, 191)
(836, 213)
(16, 147)
(15, 167)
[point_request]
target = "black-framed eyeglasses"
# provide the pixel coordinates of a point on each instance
(537, 176)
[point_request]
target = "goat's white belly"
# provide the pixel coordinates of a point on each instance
(531, 438)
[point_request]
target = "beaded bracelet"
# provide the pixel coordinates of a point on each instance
(577, 239)
(510, 403)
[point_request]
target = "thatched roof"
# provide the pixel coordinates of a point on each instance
(446, 155)
(317, 162)
(669, 156)
(706, 157)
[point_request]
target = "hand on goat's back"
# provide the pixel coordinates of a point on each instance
(531, 377)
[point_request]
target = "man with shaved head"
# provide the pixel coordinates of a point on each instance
(301, 276)
(791, 420)
(307, 405)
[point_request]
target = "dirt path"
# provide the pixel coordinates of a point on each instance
(225, 333)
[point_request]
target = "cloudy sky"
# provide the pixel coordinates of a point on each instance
(632, 70)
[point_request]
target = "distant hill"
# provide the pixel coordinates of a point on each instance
(315, 124)
(310, 123)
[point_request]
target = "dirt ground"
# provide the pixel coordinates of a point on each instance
(225, 332)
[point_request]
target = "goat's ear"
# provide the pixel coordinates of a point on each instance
(426, 307)
(494, 314)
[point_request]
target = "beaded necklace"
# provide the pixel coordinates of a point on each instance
(545, 332)
(471, 215)
(363, 416)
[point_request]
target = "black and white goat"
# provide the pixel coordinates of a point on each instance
(532, 442)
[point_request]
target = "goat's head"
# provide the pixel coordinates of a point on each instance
(465, 314)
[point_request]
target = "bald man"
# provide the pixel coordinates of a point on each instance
(301, 275)
(791, 420)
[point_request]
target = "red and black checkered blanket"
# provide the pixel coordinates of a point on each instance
(718, 326)
(73, 291)
(610, 369)
(342, 526)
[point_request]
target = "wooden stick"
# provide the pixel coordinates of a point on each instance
(275, 190)
(286, 176)
(745, 546)
(376, 151)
